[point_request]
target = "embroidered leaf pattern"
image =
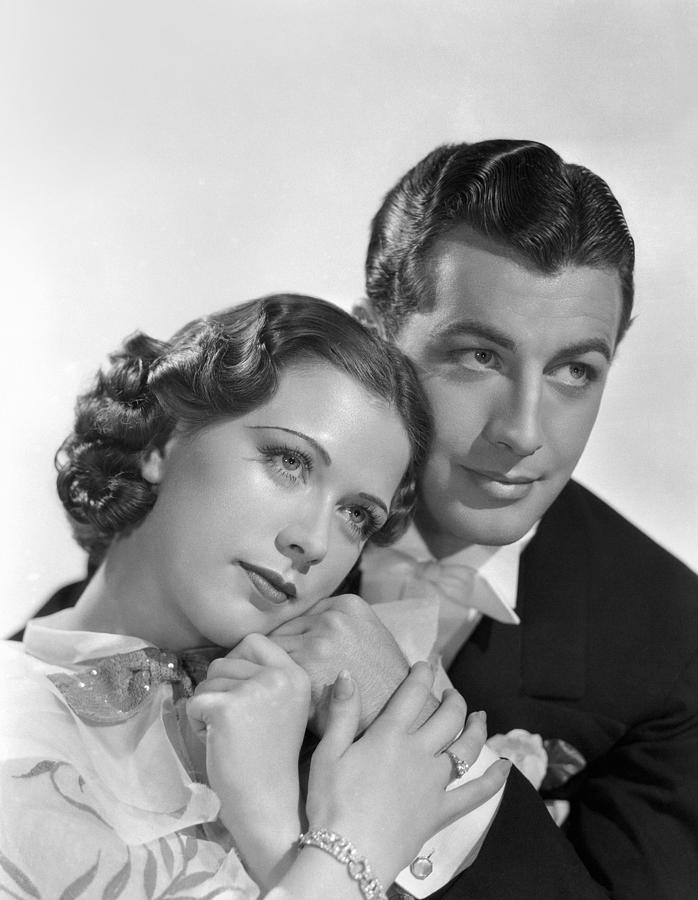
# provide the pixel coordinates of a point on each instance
(190, 847)
(81, 883)
(167, 855)
(6, 892)
(83, 806)
(209, 896)
(150, 874)
(18, 876)
(117, 884)
(46, 765)
(190, 881)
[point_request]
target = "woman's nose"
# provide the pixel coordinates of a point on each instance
(305, 544)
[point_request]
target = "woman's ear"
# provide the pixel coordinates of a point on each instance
(153, 466)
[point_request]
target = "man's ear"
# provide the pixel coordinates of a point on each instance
(153, 466)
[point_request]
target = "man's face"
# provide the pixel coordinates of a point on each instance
(514, 362)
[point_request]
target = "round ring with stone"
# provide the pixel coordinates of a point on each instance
(460, 765)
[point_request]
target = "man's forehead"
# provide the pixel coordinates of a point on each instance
(482, 280)
(478, 289)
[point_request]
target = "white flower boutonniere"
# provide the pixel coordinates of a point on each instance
(546, 764)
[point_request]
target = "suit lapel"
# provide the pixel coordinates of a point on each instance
(554, 584)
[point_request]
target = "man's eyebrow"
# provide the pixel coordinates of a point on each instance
(324, 455)
(469, 326)
(593, 345)
(495, 336)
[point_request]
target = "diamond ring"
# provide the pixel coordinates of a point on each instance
(461, 765)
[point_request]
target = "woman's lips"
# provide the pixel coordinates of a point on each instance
(501, 487)
(269, 584)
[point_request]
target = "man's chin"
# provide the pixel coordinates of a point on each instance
(501, 526)
(466, 526)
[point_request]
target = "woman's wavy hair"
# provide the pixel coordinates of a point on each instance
(519, 193)
(218, 366)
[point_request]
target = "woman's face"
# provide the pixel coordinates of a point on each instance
(259, 517)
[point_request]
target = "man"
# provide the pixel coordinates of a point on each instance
(506, 275)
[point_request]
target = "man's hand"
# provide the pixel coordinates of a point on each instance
(344, 633)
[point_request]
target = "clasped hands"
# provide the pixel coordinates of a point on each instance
(338, 666)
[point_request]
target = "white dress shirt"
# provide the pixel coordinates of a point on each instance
(432, 609)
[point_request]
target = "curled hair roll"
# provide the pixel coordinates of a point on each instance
(99, 480)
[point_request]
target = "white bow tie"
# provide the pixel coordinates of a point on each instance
(388, 575)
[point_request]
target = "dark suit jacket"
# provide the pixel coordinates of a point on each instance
(606, 658)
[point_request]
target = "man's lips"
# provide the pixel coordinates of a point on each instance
(269, 583)
(502, 476)
(500, 486)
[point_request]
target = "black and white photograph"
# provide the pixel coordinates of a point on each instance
(351, 541)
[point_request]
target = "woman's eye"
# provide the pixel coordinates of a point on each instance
(362, 521)
(291, 465)
(291, 462)
(358, 516)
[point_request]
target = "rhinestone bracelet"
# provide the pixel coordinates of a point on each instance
(345, 852)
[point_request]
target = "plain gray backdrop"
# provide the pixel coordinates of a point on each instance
(164, 158)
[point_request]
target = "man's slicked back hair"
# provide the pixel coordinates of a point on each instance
(520, 194)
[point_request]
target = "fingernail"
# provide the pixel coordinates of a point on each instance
(343, 686)
(480, 715)
(504, 765)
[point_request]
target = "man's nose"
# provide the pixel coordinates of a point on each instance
(515, 420)
(305, 540)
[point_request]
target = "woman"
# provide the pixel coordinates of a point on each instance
(219, 482)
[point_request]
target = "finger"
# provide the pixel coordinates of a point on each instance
(408, 701)
(446, 722)
(290, 643)
(200, 711)
(231, 668)
(260, 649)
(220, 685)
(295, 626)
(343, 717)
(467, 797)
(470, 743)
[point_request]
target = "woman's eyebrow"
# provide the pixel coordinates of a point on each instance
(373, 499)
(324, 455)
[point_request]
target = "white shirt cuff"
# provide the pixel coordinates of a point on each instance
(455, 847)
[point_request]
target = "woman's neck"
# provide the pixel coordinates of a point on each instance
(124, 597)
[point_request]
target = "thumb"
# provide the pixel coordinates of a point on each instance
(343, 716)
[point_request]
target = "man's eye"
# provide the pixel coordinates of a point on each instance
(575, 374)
(475, 358)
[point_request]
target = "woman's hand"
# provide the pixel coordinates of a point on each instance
(386, 792)
(252, 712)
